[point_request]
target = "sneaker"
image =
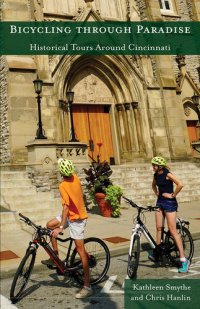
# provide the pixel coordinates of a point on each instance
(184, 267)
(84, 292)
(152, 257)
(48, 262)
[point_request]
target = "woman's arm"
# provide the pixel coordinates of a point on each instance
(154, 187)
(178, 183)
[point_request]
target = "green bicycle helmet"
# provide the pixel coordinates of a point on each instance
(66, 167)
(159, 161)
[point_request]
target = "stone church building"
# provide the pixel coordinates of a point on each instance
(136, 106)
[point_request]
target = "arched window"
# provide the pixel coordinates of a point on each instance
(166, 6)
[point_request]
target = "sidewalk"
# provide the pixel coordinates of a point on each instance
(118, 229)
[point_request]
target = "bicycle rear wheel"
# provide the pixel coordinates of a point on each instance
(22, 276)
(188, 245)
(133, 258)
(98, 258)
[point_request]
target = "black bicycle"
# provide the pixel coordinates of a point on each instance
(167, 248)
(98, 258)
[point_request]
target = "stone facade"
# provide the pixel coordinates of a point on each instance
(144, 95)
(4, 141)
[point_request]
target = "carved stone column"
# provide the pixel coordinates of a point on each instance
(64, 121)
(121, 128)
(130, 137)
(138, 135)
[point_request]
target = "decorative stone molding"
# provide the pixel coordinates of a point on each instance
(44, 153)
(76, 152)
(198, 70)
(4, 142)
(180, 59)
(119, 107)
(127, 106)
(187, 111)
(141, 5)
(89, 3)
(135, 105)
(63, 105)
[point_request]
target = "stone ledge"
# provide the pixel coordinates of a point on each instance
(21, 63)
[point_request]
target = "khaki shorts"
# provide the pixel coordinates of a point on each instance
(76, 228)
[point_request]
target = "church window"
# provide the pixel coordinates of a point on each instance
(166, 5)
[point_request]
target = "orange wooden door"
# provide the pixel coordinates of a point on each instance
(92, 125)
(192, 132)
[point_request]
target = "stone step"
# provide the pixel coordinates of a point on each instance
(20, 175)
(149, 176)
(24, 191)
(9, 221)
(23, 206)
(16, 184)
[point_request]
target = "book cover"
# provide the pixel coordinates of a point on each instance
(94, 81)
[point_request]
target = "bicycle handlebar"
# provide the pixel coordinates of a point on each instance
(148, 208)
(43, 230)
(28, 221)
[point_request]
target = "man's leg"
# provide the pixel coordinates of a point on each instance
(84, 259)
(53, 224)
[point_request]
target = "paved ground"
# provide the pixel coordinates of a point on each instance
(47, 289)
(98, 226)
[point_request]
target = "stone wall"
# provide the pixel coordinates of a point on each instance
(186, 12)
(184, 9)
(4, 141)
(142, 9)
(48, 180)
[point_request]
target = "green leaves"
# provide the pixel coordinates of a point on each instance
(113, 195)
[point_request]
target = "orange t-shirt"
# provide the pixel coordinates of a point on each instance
(72, 196)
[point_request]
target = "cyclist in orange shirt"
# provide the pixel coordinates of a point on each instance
(74, 216)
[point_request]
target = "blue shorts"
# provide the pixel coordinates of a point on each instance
(168, 205)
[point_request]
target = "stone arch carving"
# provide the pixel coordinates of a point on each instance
(117, 72)
(124, 84)
(189, 110)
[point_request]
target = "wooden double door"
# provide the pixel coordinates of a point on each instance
(92, 126)
(192, 132)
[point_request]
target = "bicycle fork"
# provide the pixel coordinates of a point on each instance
(138, 230)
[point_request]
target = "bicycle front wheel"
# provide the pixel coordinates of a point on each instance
(187, 241)
(98, 259)
(22, 276)
(133, 258)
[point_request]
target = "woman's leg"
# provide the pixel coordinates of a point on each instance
(159, 216)
(171, 222)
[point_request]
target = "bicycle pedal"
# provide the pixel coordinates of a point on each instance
(59, 273)
(51, 266)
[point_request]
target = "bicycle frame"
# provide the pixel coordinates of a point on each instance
(139, 229)
(62, 266)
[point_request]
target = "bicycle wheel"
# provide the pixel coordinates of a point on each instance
(98, 258)
(22, 275)
(133, 258)
(188, 245)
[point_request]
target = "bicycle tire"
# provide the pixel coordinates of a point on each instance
(133, 259)
(23, 272)
(188, 245)
(99, 260)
